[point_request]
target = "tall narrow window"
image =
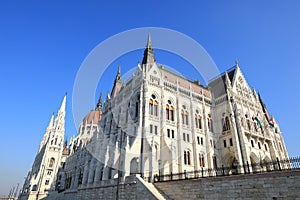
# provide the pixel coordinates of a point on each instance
(183, 136)
(252, 143)
(184, 115)
(51, 163)
(136, 109)
(266, 148)
(201, 160)
(226, 124)
(209, 123)
(225, 145)
(230, 142)
(153, 106)
(173, 135)
(169, 111)
(198, 121)
(215, 164)
(187, 157)
(151, 128)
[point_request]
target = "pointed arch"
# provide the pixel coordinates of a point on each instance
(134, 165)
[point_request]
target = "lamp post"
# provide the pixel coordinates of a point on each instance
(159, 166)
(119, 163)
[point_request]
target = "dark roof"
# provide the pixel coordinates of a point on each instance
(218, 86)
(231, 73)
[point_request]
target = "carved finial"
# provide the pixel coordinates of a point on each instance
(236, 62)
(118, 77)
(99, 104)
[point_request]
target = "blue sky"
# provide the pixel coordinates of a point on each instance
(43, 43)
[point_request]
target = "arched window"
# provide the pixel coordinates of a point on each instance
(184, 115)
(153, 106)
(51, 163)
(169, 111)
(226, 124)
(198, 121)
(215, 164)
(201, 160)
(209, 123)
(187, 157)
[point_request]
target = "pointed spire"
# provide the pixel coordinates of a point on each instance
(51, 121)
(117, 83)
(148, 52)
(236, 63)
(149, 43)
(118, 76)
(63, 104)
(99, 104)
(59, 122)
(66, 141)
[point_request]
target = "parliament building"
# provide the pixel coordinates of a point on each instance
(157, 123)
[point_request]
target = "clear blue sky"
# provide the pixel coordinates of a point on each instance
(43, 43)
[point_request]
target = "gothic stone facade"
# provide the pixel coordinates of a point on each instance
(51, 154)
(158, 122)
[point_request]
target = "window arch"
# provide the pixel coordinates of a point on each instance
(51, 163)
(184, 115)
(187, 157)
(153, 105)
(198, 120)
(169, 111)
(226, 124)
(201, 160)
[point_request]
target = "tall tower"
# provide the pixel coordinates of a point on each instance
(41, 178)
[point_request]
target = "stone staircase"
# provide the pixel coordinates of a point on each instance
(158, 194)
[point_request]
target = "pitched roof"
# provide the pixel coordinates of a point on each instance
(218, 86)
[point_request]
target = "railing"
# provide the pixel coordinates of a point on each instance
(234, 169)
